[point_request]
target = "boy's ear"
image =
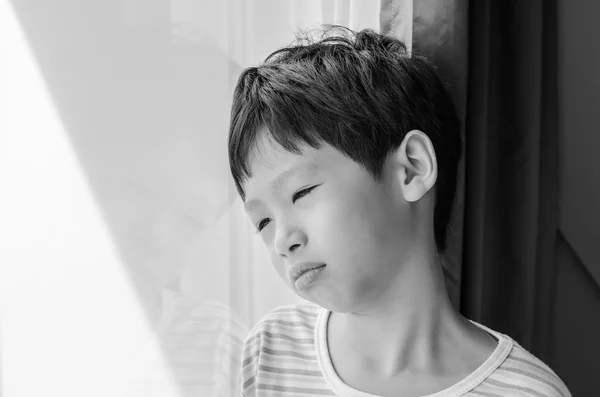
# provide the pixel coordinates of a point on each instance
(415, 165)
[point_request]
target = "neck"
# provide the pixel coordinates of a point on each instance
(406, 328)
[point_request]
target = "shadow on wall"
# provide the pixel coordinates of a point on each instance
(146, 106)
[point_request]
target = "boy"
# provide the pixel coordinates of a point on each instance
(345, 152)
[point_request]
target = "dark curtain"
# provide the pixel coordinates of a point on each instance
(511, 178)
(498, 58)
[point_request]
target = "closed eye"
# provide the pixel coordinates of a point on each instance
(298, 195)
(262, 224)
(301, 193)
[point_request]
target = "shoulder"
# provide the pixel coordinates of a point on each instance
(286, 325)
(282, 340)
(522, 371)
(297, 318)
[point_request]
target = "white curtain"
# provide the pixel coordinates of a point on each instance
(128, 266)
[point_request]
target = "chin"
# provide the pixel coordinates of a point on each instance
(331, 303)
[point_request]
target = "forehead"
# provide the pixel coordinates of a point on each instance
(271, 156)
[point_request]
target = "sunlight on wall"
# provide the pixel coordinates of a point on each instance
(71, 323)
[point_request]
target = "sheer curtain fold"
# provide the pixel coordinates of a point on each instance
(396, 19)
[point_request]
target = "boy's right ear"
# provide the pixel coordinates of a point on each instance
(415, 165)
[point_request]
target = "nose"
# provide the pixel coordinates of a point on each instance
(289, 239)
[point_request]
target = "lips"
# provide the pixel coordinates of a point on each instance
(299, 268)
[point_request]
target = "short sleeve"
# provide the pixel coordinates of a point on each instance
(250, 362)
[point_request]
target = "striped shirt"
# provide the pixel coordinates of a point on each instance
(286, 354)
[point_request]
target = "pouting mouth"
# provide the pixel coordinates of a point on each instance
(298, 269)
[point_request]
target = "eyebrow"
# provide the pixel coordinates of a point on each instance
(281, 179)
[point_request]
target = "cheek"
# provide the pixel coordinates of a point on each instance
(355, 232)
(278, 263)
(351, 222)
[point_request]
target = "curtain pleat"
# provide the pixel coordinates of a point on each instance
(511, 192)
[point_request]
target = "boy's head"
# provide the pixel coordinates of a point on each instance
(350, 110)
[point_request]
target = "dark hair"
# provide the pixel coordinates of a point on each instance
(361, 93)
